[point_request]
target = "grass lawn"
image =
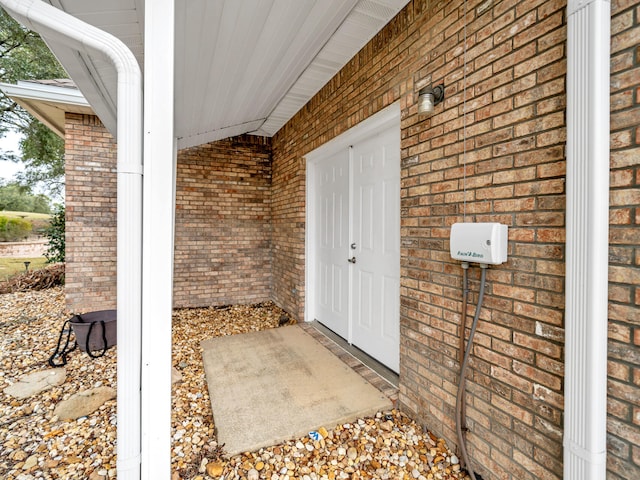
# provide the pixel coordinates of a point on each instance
(40, 221)
(11, 266)
(26, 215)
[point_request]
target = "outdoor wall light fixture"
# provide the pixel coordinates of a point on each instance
(429, 97)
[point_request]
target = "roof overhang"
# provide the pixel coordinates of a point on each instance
(242, 66)
(48, 102)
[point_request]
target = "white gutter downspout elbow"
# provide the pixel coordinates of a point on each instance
(587, 245)
(57, 25)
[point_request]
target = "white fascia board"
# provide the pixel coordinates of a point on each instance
(45, 93)
(48, 103)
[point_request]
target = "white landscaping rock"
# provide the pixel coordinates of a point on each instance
(84, 403)
(34, 383)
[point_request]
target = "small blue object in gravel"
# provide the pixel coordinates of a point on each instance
(315, 436)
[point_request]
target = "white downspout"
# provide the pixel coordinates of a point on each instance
(62, 27)
(588, 57)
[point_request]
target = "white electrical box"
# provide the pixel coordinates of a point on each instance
(479, 242)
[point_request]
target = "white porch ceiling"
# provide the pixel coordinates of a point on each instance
(242, 66)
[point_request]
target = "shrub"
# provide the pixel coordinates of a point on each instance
(55, 234)
(14, 229)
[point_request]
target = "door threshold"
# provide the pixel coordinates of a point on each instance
(383, 371)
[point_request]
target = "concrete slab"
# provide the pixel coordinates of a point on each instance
(270, 386)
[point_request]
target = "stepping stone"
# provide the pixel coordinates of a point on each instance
(83, 403)
(176, 376)
(34, 383)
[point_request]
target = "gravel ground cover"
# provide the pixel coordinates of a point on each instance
(36, 444)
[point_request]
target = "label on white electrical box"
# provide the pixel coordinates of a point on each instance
(470, 255)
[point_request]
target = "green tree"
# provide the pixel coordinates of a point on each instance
(19, 198)
(41, 204)
(55, 234)
(43, 158)
(25, 56)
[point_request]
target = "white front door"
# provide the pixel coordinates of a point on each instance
(375, 301)
(354, 239)
(332, 272)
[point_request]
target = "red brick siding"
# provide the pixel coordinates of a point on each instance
(288, 217)
(90, 231)
(623, 460)
(223, 223)
(223, 220)
(513, 173)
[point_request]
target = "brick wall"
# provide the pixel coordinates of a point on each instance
(623, 424)
(223, 223)
(513, 173)
(90, 225)
(288, 217)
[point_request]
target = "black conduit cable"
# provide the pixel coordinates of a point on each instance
(463, 372)
(463, 329)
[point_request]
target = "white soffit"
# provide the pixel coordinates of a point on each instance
(365, 20)
(242, 66)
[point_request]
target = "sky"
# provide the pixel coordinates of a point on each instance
(9, 143)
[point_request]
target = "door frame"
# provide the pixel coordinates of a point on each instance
(386, 118)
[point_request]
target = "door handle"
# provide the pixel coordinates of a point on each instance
(351, 260)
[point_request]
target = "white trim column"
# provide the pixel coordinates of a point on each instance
(158, 238)
(587, 247)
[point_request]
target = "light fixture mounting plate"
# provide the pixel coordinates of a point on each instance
(437, 92)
